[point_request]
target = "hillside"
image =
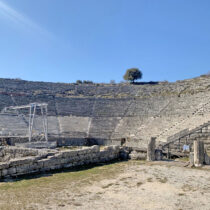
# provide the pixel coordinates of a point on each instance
(110, 112)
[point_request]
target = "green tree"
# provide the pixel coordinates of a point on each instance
(79, 81)
(132, 74)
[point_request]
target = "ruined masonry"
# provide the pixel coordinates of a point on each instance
(125, 115)
(17, 161)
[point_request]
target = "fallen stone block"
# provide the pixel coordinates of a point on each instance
(137, 156)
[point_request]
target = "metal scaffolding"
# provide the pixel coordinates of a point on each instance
(32, 112)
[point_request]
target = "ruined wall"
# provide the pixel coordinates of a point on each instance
(28, 161)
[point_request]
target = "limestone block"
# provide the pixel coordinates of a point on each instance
(76, 158)
(22, 169)
(81, 152)
(87, 151)
(198, 153)
(191, 158)
(4, 172)
(65, 160)
(40, 163)
(108, 148)
(65, 154)
(34, 167)
(95, 148)
(52, 161)
(158, 154)
(151, 149)
(58, 155)
(58, 167)
(207, 159)
(11, 171)
(116, 148)
(137, 155)
(4, 165)
(21, 161)
(68, 165)
(103, 153)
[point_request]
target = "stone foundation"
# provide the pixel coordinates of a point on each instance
(29, 161)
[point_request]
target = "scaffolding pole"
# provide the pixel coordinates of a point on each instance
(32, 112)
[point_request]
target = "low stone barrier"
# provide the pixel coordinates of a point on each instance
(54, 159)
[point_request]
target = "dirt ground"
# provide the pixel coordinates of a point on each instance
(123, 185)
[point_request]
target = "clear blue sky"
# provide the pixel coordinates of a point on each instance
(66, 40)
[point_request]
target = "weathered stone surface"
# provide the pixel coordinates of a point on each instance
(207, 159)
(198, 153)
(107, 113)
(158, 154)
(151, 149)
(134, 155)
(51, 160)
(191, 158)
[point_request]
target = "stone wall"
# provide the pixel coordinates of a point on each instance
(28, 161)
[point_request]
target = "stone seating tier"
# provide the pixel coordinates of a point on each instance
(110, 112)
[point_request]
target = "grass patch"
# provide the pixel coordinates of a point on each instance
(162, 180)
(25, 191)
(107, 186)
(187, 188)
(139, 184)
(184, 159)
(149, 179)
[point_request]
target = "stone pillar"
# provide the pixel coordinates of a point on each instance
(151, 149)
(158, 154)
(191, 158)
(198, 153)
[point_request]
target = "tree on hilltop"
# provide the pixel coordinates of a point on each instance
(132, 74)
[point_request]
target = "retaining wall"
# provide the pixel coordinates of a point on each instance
(46, 160)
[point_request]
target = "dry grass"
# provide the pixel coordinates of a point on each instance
(162, 180)
(112, 186)
(19, 194)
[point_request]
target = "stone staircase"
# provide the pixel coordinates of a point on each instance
(176, 141)
(12, 125)
(198, 116)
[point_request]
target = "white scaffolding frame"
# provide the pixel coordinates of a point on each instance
(32, 112)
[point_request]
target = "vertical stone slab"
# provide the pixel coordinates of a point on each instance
(158, 154)
(198, 153)
(191, 158)
(151, 149)
(207, 159)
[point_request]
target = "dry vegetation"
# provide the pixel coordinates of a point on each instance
(122, 185)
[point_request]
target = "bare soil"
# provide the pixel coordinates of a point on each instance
(123, 185)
